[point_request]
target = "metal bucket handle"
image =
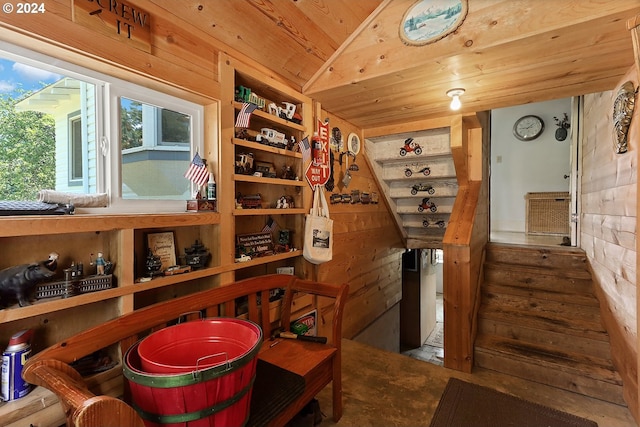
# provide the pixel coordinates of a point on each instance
(196, 373)
(190, 312)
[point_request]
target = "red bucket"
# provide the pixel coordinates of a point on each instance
(218, 394)
(191, 346)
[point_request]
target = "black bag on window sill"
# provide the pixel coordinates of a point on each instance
(26, 207)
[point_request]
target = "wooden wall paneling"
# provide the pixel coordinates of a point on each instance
(177, 55)
(226, 157)
(634, 26)
(609, 210)
(366, 248)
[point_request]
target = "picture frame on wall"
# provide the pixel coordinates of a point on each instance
(163, 245)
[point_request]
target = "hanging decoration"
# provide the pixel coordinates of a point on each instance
(563, 124)
(428, 21)
(622, 112)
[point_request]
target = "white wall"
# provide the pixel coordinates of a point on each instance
(518, 167)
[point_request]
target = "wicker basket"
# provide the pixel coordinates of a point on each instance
(547, 213)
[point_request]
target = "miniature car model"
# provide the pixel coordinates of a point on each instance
(271, 137)
(410, 146)
(426, 171)
(177, 269)
(335, 198)
(250, 201)
(243, 258)
(427, 223)
(427, 204)
(244, 163)
(422, 187)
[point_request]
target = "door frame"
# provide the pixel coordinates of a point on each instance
(577, 108)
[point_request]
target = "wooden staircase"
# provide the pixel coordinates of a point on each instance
(540, 320)
(419, 184)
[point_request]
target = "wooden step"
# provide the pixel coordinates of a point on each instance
(570, 342)
(560, 257)
(547, 365)
(548, 294)
(552, 311)
(538, 277)
(546, 321)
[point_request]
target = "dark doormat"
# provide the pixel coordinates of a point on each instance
(469, 405)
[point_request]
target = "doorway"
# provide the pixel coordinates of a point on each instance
(421, 308)
(546, 165)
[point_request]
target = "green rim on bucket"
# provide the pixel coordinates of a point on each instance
(196, 415)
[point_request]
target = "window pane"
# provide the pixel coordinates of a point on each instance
(40, 147)
(155, 145)
(176, 127)
(76, 148)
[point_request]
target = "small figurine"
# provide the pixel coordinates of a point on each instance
(100, 263)
(153, 264)
(18, 281)
(197, 256)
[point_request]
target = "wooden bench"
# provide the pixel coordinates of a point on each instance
(319, 364)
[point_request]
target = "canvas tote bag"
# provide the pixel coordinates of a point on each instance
(318, 230)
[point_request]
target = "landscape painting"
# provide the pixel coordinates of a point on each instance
(430, 20)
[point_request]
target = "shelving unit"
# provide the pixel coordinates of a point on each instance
(246, 221)
(122, 240)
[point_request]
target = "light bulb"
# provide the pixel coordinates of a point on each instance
(454, 94)
(455, 103)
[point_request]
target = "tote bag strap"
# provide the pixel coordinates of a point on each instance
(315, 207)
(323, 207)
(320, 206)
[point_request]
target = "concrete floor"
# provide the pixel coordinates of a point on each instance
(383, 389)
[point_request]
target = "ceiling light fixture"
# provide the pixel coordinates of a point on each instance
(455, 94)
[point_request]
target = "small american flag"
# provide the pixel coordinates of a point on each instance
(305, 148)
(270, 226)
(197, 172)
(242, 121)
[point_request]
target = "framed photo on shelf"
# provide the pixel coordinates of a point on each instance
(163, 245)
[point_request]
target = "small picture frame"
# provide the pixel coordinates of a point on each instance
(353, 143)
(163, 245)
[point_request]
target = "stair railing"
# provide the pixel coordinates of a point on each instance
(465, 239)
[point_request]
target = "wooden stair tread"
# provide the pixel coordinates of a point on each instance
(579, 298)
(595, 347)
(529, 270)
(546, 321)
(551, 257)
(551, 357)
(539, 319)
(553, 310)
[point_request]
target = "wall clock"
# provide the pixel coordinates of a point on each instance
(528, 128)
(353, 143)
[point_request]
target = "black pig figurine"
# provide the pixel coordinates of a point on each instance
(17, 282)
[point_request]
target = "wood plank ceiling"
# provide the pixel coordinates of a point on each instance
(347, 54)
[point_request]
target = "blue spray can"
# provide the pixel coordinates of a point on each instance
(13, 360)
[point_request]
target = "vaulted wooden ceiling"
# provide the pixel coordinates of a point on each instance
(347, 54)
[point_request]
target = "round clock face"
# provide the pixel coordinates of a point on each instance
(528, 128)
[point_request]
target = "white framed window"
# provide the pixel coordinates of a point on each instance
(110, 136)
